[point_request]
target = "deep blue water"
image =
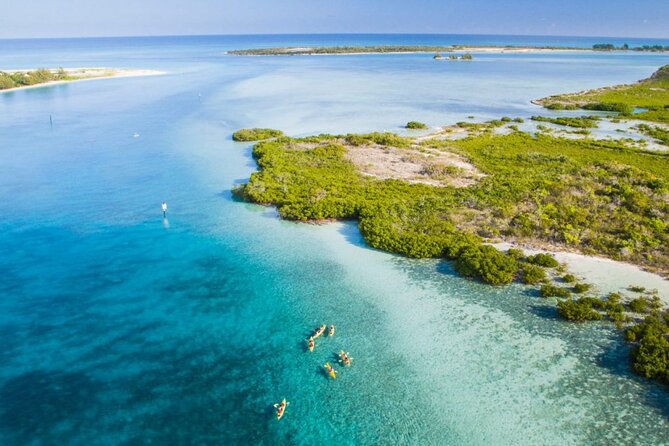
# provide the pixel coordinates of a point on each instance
(119, 327)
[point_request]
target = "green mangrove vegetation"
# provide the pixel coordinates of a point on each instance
(533, 274)
(255, 134)
(416, 125)
(551, 290)
(543, 259)
(487, 263)
(580, 310)
(651, 94)
(601, 197)
(580, 288)
(626, 47)
(27, 78)
(650, 352)
(583, 122)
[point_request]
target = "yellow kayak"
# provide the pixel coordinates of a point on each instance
(332, 372)
(281, 409)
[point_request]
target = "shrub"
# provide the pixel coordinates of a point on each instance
(543, 259)
(636, 288)
(384, 139)
(650, 358)
(38, 77)
(549, 290)
(578, 310)
(441, 171)
(581, 122)
(255, 134)
(580, 288)
(622, 108)
(516, 253)
(416, 125)
(639, 305)
(488, 264)
(569, 278)
(652, 324)
(6, 81)
(656, 303)
(533, 274)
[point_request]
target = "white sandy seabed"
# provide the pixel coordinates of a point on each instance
(492, 377)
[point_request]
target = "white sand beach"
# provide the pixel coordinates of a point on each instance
(85, 74)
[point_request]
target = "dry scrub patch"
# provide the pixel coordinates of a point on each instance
(413, 165)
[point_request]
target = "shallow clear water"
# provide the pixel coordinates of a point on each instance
(119, 327)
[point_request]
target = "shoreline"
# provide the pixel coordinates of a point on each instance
(606, 274)
(91, 74)
(577, 262)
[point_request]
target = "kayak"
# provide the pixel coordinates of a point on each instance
(281, 409)
(345, 358)
(311, 344)
(319, 331)
(332, 372)
(331, 332)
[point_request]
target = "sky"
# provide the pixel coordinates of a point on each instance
(93, 18)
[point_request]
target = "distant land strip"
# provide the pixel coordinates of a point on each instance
(22, 79)
(383, 49)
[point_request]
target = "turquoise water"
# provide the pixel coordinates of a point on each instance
(119, 327)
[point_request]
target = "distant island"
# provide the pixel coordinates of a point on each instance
(626, 47)
(386, 49)
(19, 79)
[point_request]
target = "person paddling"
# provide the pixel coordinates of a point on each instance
(164, 206)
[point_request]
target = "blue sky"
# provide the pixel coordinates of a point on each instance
(73, 18)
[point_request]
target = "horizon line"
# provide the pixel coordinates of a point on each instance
(328, 34)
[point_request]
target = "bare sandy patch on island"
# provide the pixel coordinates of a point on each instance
(427, 166)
